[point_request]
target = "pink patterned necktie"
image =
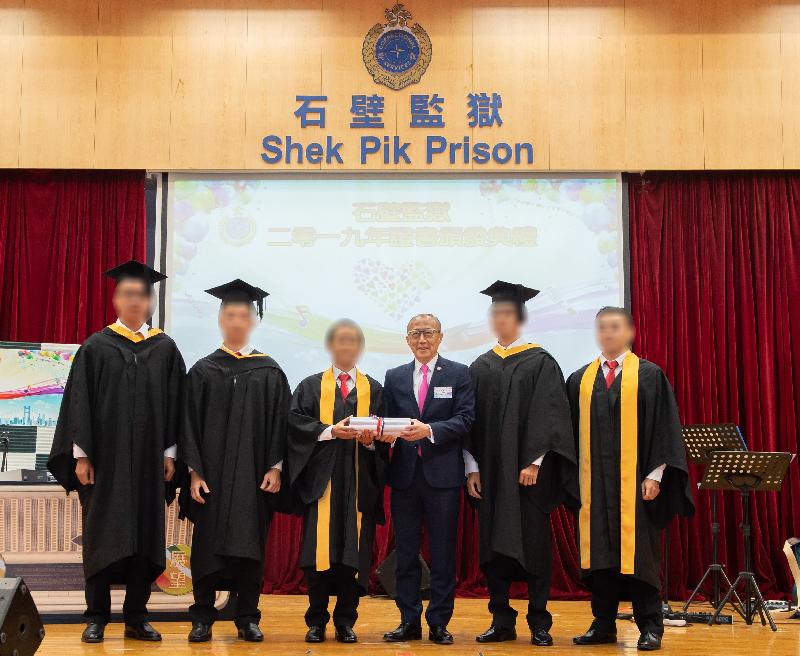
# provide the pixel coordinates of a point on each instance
(423, 388)
(421, 396)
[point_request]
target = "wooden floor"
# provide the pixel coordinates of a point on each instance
(284, 628)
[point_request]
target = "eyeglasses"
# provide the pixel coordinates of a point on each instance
(428, 333)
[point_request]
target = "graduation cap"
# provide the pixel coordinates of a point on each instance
(239, 291)
(137, 270)
(507, 292)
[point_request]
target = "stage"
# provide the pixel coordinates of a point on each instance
(284, 629)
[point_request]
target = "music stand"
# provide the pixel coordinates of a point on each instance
(701, 441)
(746, 472)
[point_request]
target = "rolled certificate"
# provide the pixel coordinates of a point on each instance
(390, 426)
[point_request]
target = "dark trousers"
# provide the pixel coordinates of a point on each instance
(438, 508)
(246, 577)
(340, 581)
(135, 572)
(503, 615)
(607, 586)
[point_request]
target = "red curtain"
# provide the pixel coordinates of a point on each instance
(715, 289)
(59, 230)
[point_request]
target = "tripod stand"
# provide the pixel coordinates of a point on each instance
(701, 441)
(746, 472)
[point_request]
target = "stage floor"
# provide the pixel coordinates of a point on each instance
(284, 628)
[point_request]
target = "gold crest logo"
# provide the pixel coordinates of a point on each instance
(397, 53)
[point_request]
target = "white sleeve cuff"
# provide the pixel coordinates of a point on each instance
(657, 473)
(278, 465)
(470, 464)
(191, 471)
(325, 435)
(370, 447)
(430, 437)
(171, 452)
(538, 461)
(77, 452)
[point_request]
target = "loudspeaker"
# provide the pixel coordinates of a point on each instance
(386, 576)
(21, 629)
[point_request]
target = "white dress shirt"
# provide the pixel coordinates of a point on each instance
(470, 464)
(658, 472)
(144, 331)
(418, 381)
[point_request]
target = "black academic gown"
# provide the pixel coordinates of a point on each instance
(659, 442)
(521, 414)
(312, 464)
(234, 431)
(121, 406)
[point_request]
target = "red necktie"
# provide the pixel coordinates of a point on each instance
(610, 376)
(343, 378)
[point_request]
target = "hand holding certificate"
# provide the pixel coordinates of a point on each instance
(388, 429)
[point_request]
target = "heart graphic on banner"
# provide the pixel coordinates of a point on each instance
(394, 288)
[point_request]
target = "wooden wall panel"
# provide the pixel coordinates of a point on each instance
(790, 83)
(594, 84)
(209, 72)
(587, 84)
(284, 55)
(449, 27)
(663, 85)
(59, 78)
(519, 73)
(742, 84)
(11, 29)
(133, 84)
(344, 75)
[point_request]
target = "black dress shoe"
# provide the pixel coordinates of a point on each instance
(345, 634)
(649, 642)
(93, 632)
(251, 633)
(142, 631)
(200, 632)
(403, 633)
(541, 638)
(440, 635)
(497, 634)
(315, 634)
(595, 637)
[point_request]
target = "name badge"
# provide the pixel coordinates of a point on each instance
(442, 392)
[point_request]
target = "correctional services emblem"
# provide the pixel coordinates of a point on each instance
(396, 53)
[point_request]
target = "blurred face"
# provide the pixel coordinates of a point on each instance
(132, 302)
(423, 337)
(614, 334)
(345, 347)
(505, 322)
(236, 323)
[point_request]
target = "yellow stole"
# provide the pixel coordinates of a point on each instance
(134, 337)
(239, 357)
(504, 353)
(328, 391)
(629, 483)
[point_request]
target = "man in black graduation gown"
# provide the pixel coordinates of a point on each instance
(633, 478)
(338, 474)
(520, 461)
(114, 444)
(232, 443)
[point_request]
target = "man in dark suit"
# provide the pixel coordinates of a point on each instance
(426, 475)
